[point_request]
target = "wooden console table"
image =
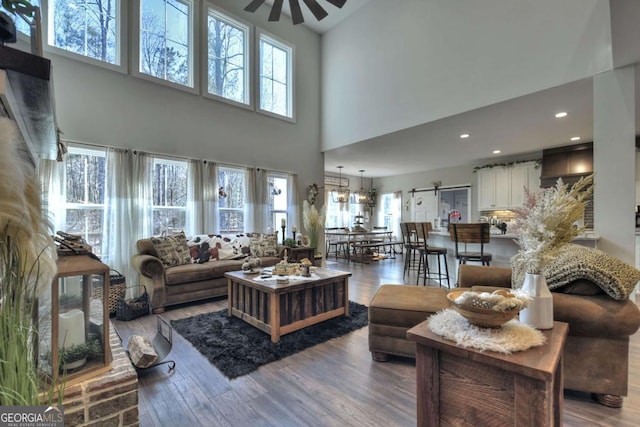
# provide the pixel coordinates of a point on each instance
(464, 386)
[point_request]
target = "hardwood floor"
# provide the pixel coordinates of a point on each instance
(331, 384)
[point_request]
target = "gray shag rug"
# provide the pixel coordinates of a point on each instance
(236, 348)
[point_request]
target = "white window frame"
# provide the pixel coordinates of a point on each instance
(194, 58)
(244, 195)
(207, 8)
(121, 29)
(154, 207)
(291, 72)
(86, 206)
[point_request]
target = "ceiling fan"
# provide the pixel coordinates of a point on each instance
(296, 13)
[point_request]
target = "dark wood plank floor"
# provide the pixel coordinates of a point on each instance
(332, 384)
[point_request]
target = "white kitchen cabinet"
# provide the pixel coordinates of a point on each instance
(503, 187)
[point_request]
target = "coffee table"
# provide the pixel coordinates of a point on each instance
(279, 309)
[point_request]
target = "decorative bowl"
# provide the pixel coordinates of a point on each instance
(484, 316)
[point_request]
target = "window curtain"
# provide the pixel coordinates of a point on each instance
(52, 175)
(257, 202)
(293, 204)
(127, 210)
(202, 198)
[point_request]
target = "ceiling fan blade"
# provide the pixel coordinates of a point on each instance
(337, 3)
(316, 9)
(254, 5)
(275, 10)
(296, 12)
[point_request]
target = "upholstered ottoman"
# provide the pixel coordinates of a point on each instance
(395, 309)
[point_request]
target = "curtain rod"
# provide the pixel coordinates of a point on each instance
(444, 187)
(171, 156)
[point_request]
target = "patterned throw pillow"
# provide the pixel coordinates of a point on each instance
(172, 250)
(263, 244)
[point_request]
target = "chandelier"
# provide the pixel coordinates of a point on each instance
(341, 195)
(362, 195)
(296, 13)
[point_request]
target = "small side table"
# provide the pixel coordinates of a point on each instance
(464, 386)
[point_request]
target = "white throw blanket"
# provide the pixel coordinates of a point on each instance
(512, 336)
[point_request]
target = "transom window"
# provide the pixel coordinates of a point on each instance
(227, 57)
(276, 81)
(169, 196)
(166, 40)
(231, 182)
(89, 28)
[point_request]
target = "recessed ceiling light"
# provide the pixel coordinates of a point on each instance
(561, 114)
(575, 138)
(497, 151)
(464, 135)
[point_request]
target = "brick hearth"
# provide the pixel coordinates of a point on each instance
(110, 399)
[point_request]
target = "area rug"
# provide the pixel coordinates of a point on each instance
(512, 336)
(237, 348)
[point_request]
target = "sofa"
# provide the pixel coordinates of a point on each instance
(596, 353)
(176, 270)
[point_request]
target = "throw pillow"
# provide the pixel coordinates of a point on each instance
(172, 250)
(263, 244)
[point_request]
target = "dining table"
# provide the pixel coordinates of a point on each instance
(362, 239)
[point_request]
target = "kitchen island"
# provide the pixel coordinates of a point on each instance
(501, 246)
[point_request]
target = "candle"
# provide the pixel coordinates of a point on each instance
(71, 328)
(283, 222)
(294, 228)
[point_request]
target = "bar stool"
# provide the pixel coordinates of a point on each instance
(425, 250)
(475, 233)
(409, 244)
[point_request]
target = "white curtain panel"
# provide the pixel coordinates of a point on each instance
(252, 202)
(52, 175)
(210, 198)
(195, 198)
(293, 204)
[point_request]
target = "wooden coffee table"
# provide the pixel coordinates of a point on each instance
(279, 309)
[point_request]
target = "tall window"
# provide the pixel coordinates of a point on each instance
(85, 179)
(276, 77)
(227, 57)
(169, 196)
(231, 182)
(166, 40)
(86, 27)
(278, 202)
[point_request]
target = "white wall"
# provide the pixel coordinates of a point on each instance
(400, 63)
(99, 106)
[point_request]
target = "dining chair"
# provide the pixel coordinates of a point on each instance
(340, 243)
(410, 245)
(471, 233)
(425, 250)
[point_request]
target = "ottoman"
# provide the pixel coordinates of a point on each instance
(395, 309)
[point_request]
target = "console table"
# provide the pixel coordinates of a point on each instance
(464, 386)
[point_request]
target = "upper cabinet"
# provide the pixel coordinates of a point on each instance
(502, 188)
(570, 162)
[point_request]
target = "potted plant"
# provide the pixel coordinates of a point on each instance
(313, 222)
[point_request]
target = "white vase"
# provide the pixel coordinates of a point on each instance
(539, 312)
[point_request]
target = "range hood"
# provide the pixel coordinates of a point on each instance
(569, 163)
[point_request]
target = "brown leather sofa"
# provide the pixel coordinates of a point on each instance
(183, 283)
(596, 353)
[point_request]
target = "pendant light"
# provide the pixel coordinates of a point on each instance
(341, 195)
(362, 195)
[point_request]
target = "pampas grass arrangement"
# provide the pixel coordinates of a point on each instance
(546, 222)
(27, 267)
(313, 222)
